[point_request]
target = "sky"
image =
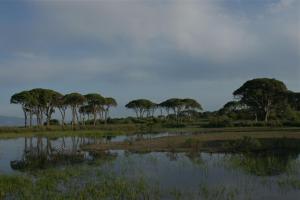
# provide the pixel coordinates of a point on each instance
(155, 49)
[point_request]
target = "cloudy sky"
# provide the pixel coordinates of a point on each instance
(156, 49)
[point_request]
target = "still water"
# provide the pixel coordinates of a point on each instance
(272, 175)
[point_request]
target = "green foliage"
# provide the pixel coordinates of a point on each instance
(262, 95)
(94, 99)
(142, 107)
(218, 193)
(178, 105)
(219, 122)
(109, 101)
(53, 122)
(74, 99)
(67, 184)
(263, 163)
(294, 100)
(247, 123)
(246, 144)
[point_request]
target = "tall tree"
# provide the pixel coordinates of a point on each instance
(264, 95)
(74, 100)
(165, 105)
(140, 106)
(23, 98)
(108, 103)
(51, 97)
(191, 106)
(151, 108)
(177, 105)
(40, 97)
(232, 106)
(85, 110)
(62, 106)
(95, 101)
(294, 100)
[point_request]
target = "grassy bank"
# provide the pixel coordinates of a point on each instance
(128, 129)
(208, 141)
(57, 131)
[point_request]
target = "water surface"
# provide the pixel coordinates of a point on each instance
(267, 175)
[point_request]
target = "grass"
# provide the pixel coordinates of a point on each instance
(92, 182)
(67, 184)
(127, 129)
(86, 182)
(57, 131)
(211, 141)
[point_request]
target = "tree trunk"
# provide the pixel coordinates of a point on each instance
(42, 118)
(106, 112)
(63, 113)
(95, 118)
(48, 121)
(30, 118)
(25, 118)
(266, 115)
(83, 119)
(63, 119)
(267, 110)
(76, 115)
(73, 118)
(141, 113)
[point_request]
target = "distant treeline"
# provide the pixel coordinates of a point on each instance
(43, 102)
(257, 100)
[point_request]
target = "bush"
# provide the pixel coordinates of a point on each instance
(273, 123)
(53, 122)
(245, 144)
(245, 124)
(127, 120)
(219, 122)
(295, 123)
(174, 125)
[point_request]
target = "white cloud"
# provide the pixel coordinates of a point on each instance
(200, 28)
(139, 38)
(281, 5)
(208, 31)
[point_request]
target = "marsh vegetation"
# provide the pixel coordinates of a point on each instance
(68, 168)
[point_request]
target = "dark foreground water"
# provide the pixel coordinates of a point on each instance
(268, 175)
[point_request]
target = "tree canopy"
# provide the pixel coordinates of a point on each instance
(264, 95)
(43, 102)
(141, 106)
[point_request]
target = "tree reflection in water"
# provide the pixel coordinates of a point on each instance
(41, 153)
(268, 163)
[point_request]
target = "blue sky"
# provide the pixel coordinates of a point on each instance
(153, 49)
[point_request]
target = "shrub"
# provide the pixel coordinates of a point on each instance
(243, 145)
(219, 122)
(295, 123)
(53, 122)
(273, 123)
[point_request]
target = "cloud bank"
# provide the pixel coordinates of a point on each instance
(140, 45)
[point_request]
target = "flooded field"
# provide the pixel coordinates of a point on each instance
(157, 175)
